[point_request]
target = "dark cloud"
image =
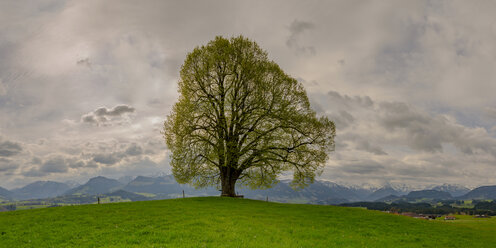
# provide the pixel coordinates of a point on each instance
(89, 118)
(107, 159)
(366, 146)
(342, 119)
(296, 29)
(134, 150)
(77, 164)
(116, 111)
(84, 62)
(111, 158)
(3, 90)
(91, 164)
(54, 165)
(104, 116)
(33, 172)
(347, 102)
(422, 130)
(7, 165)
(362, 167)
(9, 148)
(36, 160)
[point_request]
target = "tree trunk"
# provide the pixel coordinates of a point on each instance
(229, 176)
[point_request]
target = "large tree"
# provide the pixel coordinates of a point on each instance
(241, 118)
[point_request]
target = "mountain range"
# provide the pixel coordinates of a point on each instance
(39, 190)
(163, 187)
(95, 186)
(481, 193)
(5, 195)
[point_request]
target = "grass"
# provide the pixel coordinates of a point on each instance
(225, 222)
(465, 204)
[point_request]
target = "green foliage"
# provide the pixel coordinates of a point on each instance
(239, 116)
(227, 222)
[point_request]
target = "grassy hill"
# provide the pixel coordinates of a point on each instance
(224, 222)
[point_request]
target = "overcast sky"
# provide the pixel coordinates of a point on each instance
(86, 85)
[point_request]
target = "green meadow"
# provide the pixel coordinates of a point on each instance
(226, 222)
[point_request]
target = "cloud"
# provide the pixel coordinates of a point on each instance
(36, 160)
(134, 150)
(296, 29)
(366, 146)
(84, 62)
(369, 55)
(7, 166)
(105, 117)
(9, 148)
(116, 111)
(3, 90)
(423, 131)
(54, 165)
(490, 112)
(107, 159)
(33, 172)
(371, 125)
(429, 132)
(345, 101)
(362, 167)
(342, 119)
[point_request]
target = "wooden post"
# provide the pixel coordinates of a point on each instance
(183, 193)
(267, 200)
(99, 200)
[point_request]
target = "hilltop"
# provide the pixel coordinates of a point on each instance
(40, 189)
(226, 222)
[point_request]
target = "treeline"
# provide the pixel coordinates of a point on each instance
(480, 207)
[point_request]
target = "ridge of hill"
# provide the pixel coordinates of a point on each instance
(430, 194)
(454, 189)
(5, 195)
(383, 192)
(95, 186)
(481, 193)
(39, 190)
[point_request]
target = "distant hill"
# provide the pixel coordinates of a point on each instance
(454, 190)
(95, 186)
(126, 179)
(484, 192)
(389, 198)
(320, 192)
(5, 195)
(127, 195)
(430, 194)
(154, 185)
(361, 193)
(40, 189)
(383, 192)
(164, 187)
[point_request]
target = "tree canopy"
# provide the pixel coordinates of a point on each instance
(239, 117)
